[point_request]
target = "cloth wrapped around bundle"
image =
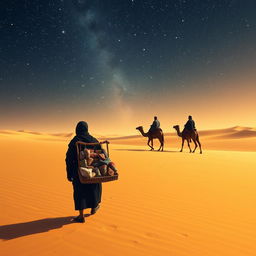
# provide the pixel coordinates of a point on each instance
(89, 172)
(95, 163)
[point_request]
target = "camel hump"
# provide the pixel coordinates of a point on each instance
(155, 132)
(158, 130)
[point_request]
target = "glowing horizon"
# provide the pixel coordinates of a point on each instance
(117, 76)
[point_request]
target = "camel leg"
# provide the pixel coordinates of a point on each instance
(182, 145)
(151, 148)
(195, 145)
(190, 151)
(149, 145)
(161, 141)
(152, 143)
(199, 145)
(160, 144)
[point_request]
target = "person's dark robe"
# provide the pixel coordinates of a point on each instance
(85, 195)
(190, 125)
(154, 126)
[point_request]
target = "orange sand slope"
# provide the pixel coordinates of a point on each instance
(165, 203)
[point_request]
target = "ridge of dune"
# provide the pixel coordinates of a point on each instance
(45, 134)
(201, 133)
(9, 132)
(241, 129)
(38, 134)
(239, 134)
(235, 138)
(30, 132)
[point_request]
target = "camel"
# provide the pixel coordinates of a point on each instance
(157, 134)
(188, 136)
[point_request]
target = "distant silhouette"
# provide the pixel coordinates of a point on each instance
(155, 125)
(155, 134)
(190, 124)
(188, 135)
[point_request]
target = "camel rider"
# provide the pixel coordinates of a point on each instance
(190, 124)
(155, 125)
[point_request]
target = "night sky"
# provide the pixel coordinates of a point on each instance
(117, 63)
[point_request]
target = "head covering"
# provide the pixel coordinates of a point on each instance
(82, 134)
(82, 129)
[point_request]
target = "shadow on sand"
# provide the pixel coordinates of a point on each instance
(17, 230)
(146, 150)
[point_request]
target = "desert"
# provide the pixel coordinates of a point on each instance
(164, 203)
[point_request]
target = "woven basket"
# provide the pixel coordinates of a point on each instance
(94, 179)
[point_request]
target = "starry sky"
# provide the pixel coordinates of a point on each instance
(117, 63)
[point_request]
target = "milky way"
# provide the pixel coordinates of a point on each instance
(73, 54)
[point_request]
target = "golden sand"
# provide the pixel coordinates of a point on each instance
(165, 203)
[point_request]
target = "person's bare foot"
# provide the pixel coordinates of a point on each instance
(94, 210)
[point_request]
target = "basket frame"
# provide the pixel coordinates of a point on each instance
(84, 180)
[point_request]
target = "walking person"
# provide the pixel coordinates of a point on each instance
(85, 195)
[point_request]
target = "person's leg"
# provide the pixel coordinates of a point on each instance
(81, 213)
(94, 210)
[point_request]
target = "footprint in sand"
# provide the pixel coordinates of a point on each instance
(135, 241)
(109, 227)
(113, 226)
(151, 235)
(184, 234)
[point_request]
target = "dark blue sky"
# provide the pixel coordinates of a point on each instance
(62, 54)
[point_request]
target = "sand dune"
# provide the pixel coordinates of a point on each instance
(236, 135)
(165, 203)
(236, 132)
(235, 138)
(32, 135)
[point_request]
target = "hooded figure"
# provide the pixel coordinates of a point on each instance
(155, 125)
(85, 195)
(190, 124)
